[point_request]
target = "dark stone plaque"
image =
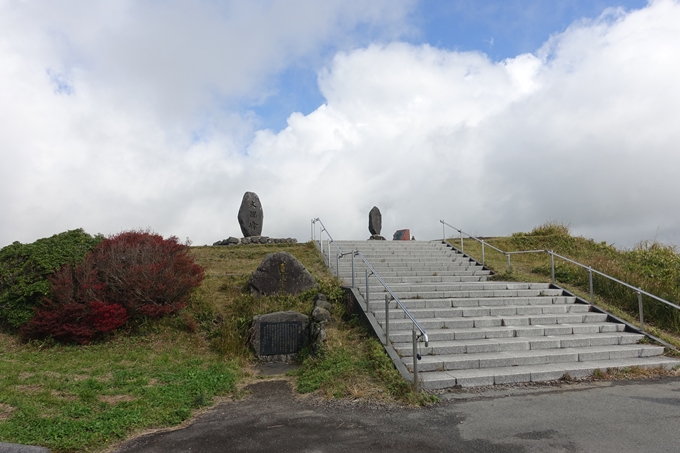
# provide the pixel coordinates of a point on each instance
(281, 337)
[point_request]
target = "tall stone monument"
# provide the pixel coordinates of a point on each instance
(375, 224)
(250, 215)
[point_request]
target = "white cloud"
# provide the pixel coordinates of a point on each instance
(119, 114)
(98, 105)
(584, 132)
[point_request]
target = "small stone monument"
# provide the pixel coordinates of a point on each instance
(278, 337)
(375, 224)
(250, 215)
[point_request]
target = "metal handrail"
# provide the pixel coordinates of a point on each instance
(340, 254)
(416, 324)
(482, 241)
(394, 296)
(415, 338)
(591, 271)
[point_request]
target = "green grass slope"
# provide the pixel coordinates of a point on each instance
(73, 398)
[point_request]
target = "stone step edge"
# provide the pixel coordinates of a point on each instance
(473, 302)
(501, 310)
(539, 373)
(483, 333)
(506, 321)
(494, 345)
(459, 362)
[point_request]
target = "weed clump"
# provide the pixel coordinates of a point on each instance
(353, 364)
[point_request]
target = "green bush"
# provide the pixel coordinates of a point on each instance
(24, 269)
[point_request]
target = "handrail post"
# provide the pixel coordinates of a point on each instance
(367, 309)
(416, 383)
(443, 232)
(552, 266)
(508, 256)
(590, 277)
(329, 250)
(312, 225)
(337, 265)
(353, 285)
(462, 247)
(642, 316)
(387, 320)
(483, 261)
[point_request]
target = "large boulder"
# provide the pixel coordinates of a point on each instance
(375, 221)
(282, 273)
(250, 215)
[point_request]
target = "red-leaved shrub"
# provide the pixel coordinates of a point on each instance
(107, 317)
(146, 274)
(131, 275)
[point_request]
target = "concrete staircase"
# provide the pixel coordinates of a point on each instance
(486, 332)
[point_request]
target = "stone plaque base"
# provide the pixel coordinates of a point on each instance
(278, 337)
(281, 337)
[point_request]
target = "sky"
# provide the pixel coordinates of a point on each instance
(495, 116)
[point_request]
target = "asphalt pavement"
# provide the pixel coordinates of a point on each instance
(629, 416)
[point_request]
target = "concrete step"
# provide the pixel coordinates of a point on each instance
(479, 333)
(498, 321)
(535, 357)
(462, 277)
(518, 343)
(500, 287)
(377, 294)
(477, 302)
(493, 285)
(512, 311)
(476, 377)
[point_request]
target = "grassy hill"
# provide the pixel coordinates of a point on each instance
(85, 398)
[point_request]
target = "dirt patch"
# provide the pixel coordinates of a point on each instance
(64, 395)
(6, 411)
(52, 374)
(34, 388)
(26, 375)
(115, 399)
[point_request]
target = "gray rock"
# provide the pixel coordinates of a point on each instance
(321, 315)
(282, 273)
(250, 215)
(20, 448)
(376, 237)
(322, 302)
(233, 241)
(375, 221)
(317, 336)
(278, 337)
